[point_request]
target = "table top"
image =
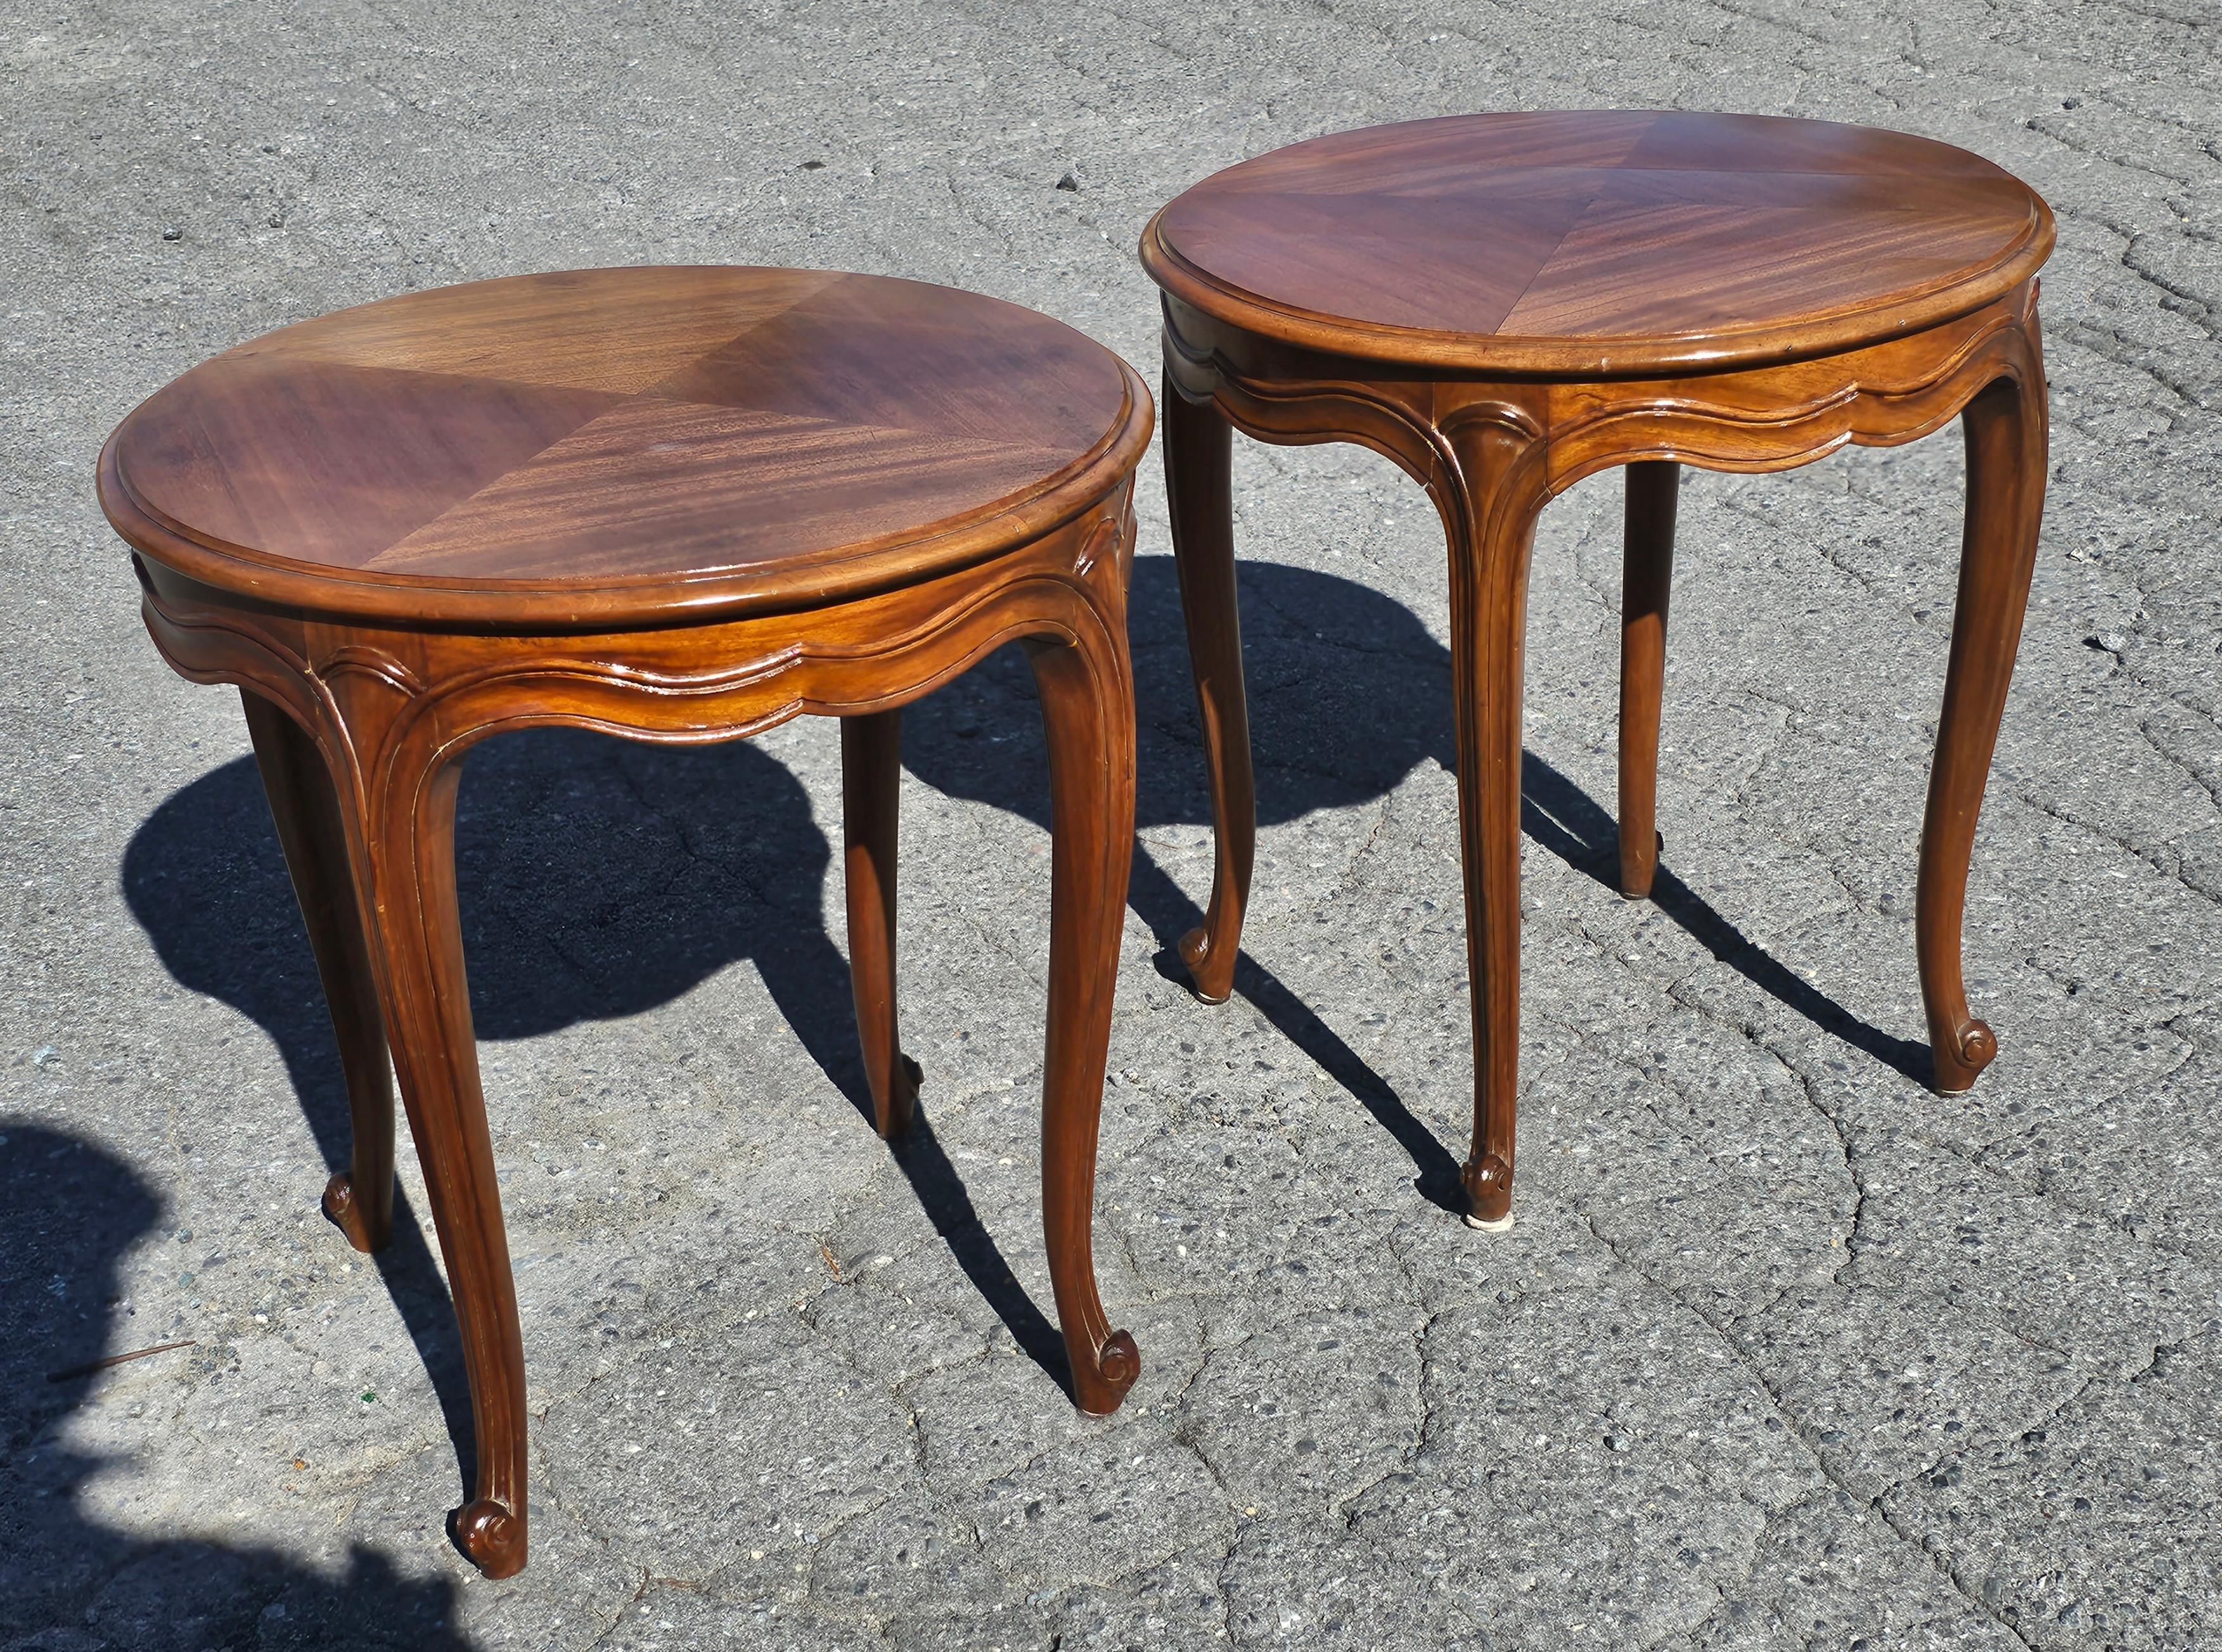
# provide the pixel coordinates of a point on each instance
(623, 443)
(1599, 244)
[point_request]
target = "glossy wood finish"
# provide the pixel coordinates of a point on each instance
(871, 775)
(695, 440)
(1198, 446)
(2005, 428)
(1505, 304)
(313, 831)
(1626, 244)
(755, 494)
(1646, 571)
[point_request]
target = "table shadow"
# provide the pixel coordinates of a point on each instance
(74, 1211)
(600, 878)
(1565, 819)
(1348, 693)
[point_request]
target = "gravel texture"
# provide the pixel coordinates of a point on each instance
(1784, 1351)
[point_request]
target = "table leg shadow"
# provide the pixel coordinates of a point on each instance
(1348, 693)
(598, 879)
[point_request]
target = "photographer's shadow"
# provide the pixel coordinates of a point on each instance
(1347, 693)
(73, 1213)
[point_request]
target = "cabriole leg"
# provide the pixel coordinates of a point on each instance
(1490, 514)
(871, 777)
(306, 810)
(1198, 444)
(1647, 568)
(1088, 710)
(410, 872)
(2005, 432)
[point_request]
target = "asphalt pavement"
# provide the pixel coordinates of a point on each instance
(1784, 1351)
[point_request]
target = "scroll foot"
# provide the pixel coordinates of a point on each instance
(1488, 1194)
(492, 1536)
(1118, 1362)
(903, 1103)
(1210, 981)
(1971, 1050)
(348, 1214)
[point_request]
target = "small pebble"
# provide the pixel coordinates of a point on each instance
(1068, 183)
(173, 234)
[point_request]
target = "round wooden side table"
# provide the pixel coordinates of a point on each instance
(680, 505)
(1503, 305)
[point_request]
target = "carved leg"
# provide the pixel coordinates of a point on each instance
(2007, 457)
(307, 812)
(410, 871)
(1490, 513)
(1648, 568)
(1087, 709)
(1198, 443)
(871, 749)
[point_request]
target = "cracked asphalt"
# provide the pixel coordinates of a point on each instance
(1784, 1351)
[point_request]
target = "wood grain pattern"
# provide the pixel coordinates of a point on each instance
(313, 831)
(1199, 445)
(909, 479)
(1604, 244)
(1647, 572)
(2006, 430)
(871, 784)
(566, 449)
(1740, 294)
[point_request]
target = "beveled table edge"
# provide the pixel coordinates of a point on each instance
(905, 556)
(1600, 356)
